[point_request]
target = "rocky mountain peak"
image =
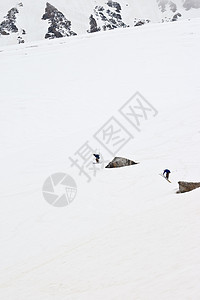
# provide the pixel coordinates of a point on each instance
(106, 18)
(22, 23)
(60, 26)
(8, 25)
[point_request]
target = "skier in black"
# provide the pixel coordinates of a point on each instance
(167, 172)
(97, 157)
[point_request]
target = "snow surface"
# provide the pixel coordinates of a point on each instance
(127, 235)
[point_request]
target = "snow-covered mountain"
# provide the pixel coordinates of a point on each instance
(27, 20)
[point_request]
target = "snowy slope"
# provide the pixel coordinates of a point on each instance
(30, 13)
(127, 235)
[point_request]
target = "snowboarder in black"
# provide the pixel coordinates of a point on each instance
(167, 172)
(97, 157)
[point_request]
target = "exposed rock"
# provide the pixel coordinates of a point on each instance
(93, 25)
(108, 18)
(2, 32)
(187, 186)
(115, 5)
(59, 25)
(20, 40)
(176, 16)
(188, 4)
(8, 25)
(164, 3)
(118, 162)
(172, 6)
(140, 22)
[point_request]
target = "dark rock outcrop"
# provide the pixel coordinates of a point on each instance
(93, 25)
(176, 16)
(140, 22)
(187, 186)
(107, 18)
(8, 25)
(59, 25)
(119, 162)
(20, 40)
(116, 5)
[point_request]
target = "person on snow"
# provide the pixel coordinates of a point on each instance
(97, 157)
(167, 172)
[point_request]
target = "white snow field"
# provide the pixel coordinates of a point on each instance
(127, 234)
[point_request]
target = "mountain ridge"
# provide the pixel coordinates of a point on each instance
(26, 22)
